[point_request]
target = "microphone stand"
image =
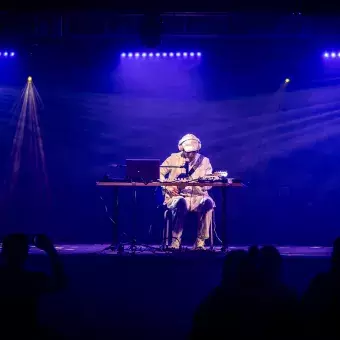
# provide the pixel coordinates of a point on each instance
(133, 244)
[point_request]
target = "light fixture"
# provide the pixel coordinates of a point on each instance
(150, 55)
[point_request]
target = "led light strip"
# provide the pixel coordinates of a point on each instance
(6, 54)
(149, 55)
(331, 55)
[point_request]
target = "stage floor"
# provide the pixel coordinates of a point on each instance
(78, 249)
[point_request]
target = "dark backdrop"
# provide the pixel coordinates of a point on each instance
(282, 140)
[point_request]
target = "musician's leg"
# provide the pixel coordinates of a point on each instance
(205, 213)
(179, 209)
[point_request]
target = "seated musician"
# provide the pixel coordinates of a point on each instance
(190, 198)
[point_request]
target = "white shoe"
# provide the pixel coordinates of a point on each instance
(199, 244)
(175, 244)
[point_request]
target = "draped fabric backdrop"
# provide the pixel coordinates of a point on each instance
(283, 140)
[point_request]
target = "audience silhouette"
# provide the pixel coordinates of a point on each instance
(321, 302)
(20, 288)
(251, 299)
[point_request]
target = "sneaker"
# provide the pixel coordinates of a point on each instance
(199, 244)
(175, 244)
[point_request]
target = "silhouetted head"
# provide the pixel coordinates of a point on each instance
(270, 262)
(235, 265)
(336, 254)
(254, 252)
(15, 250)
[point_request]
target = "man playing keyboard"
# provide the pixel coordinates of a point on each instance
(191, 198)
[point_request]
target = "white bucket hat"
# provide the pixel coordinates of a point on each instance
(189, 143)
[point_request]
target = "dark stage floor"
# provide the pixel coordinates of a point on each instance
(70, 249)
(152, 296)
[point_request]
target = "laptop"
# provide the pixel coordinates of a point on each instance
(143, 170)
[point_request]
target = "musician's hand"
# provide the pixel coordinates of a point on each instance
(173, 191)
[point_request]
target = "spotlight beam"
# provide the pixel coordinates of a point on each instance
(272, 116)
(293, 122)
(28, 121)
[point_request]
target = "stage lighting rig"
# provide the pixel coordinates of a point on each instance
(331, 55)
(7, 54)
(159, 55)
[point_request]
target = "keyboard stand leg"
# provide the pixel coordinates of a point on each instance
(224, 219)
(115, 245)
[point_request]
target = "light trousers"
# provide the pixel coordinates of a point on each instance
(180, 206)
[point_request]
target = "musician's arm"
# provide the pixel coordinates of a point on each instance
(164, 170)
(208, 171)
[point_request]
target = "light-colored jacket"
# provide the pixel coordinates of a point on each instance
(177, 159)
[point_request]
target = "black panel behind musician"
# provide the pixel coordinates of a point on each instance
(191, 198)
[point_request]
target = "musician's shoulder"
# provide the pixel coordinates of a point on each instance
(204, 157)
(176, 155)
